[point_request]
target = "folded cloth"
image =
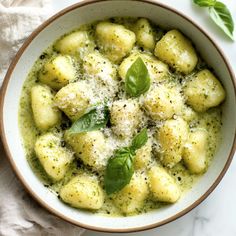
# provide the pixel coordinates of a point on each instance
(19, 213)
(18, 18)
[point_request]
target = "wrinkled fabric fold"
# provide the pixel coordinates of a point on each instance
(18, 18)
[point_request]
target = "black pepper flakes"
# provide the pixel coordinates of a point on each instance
(43, 56)
(63, 143)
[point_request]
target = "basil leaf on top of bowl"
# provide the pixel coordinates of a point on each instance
(121, 120)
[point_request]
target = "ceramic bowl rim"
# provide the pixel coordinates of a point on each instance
(20, 176)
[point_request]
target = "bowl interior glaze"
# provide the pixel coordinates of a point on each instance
(68, 20)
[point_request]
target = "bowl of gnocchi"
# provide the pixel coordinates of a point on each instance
(119, 116)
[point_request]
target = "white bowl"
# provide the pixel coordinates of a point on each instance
(65, 21)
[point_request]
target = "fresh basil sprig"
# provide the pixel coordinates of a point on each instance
(205, 3)
(220, 14)
(120, 169)
(137, 80)
(95, 119)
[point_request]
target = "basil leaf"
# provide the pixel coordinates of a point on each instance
(93, 120)
(220, 14)
(137, 80)
(205, 3)
(119, 171)
(139, 140)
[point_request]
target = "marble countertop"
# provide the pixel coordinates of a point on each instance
(216, 216)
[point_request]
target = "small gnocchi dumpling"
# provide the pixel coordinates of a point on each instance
(143, 156)
(46, 114)
(144, 34)
(90, 147)
(54, 158)
(163, 186)
(74, 99)
(188, 114)
(83, 191)
(58, 72)
(156, 69)
(97, 67)
(194, 154)
(204, 91)
(177, 51)
(114, 40)
(172, 136)
(163, 101)
(77, 44)
(131, 197)
(125, 117)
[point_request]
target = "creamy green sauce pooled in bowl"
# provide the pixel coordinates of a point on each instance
(120, 117)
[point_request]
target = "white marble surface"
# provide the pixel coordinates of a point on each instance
(216, 216)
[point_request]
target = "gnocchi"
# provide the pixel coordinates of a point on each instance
(177, 51)
(163, 101)
(125, 117)
(98, 67)
(144, 34)
(143, 156)
(115, 40)
(83, 191)
(172, 136)
(132, 196)
(194, 154)
(89, 147)
(46, 114)
(158, 70)
(204, 91)
(74, 99)
(76, 44)
(54, 158)
(162, 185)
(58, 72)
(118, 120)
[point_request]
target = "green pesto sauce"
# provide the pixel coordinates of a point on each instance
(210, 120)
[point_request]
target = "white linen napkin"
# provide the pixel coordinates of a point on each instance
(19, 213)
